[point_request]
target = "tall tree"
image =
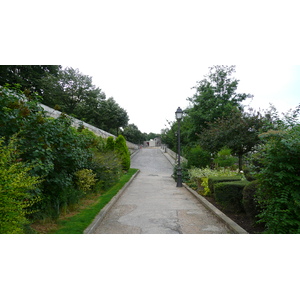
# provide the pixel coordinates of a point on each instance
(133, 134)
(28, 76)
(111, 116)
(215, 97)
(78, 89)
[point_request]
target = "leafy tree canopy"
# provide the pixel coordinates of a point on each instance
(214, 98)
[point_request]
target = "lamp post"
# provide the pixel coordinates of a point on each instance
(179, 114)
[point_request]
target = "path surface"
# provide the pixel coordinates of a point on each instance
(153, 204)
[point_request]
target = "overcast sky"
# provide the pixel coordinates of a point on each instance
(149, 54)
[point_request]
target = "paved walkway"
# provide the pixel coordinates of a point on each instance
(153, 204)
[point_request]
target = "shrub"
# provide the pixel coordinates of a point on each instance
(107, 167)
(200, 176)
(110, 144)
(123, 152)
(279, 181)
(250, 204)
(85, 179)
(217, 179)
(18, 189)
(224, 158)
(197, 157)
(230, 194)
(55, 149)
(248, 174)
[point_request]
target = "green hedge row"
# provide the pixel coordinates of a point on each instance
(235, 195)
(217, 179)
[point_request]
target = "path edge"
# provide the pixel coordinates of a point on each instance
(230, 223)
(99, 218)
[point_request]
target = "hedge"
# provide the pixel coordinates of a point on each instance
(230, 194)
(216, 179)
(249, 201)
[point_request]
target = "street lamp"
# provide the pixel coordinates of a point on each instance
(179, 114)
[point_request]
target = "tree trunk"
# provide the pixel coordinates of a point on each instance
(240, 161)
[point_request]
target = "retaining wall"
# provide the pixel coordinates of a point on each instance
(76, 123)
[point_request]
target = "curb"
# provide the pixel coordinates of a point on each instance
(103, 212)
(230, 223)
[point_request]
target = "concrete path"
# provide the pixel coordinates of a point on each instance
(153, 204)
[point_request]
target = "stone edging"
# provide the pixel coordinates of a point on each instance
(98, 219)
(230, 223)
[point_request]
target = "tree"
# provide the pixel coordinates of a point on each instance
(133, 134)
(111, 116)
(30, 77)
(215, 98)
(78, 91)
(238, 131)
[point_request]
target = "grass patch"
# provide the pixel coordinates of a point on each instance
(79, 222)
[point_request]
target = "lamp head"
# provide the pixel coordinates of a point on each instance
(179, 114)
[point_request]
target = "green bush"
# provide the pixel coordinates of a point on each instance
(85, 179)
(56, 150)
(217, 179)
(248, 174)
(224, 158)
(110, 144)
(108, 168)
(249, 200)
(123, 152)
(279, 181)
(230, 194)
(197, 157)
(18, 189)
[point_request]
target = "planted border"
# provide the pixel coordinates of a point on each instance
(78, 223)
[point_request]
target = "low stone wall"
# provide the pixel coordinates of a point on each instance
(76, 123)
(172, 153)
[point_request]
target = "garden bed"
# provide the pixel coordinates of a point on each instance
(240, 218)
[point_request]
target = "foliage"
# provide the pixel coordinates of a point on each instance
(28, 77)
(230, 194)
(197, 157)
(111, 116)
(238, 131)
(224, 158)
(56, 149)
(134, 135)
(18, 189)
(249, 200)
(279, 181)
(201, 175)
(207, 172)
(78, 223)
(108, 167)
(85, 179)
(110, 144)
(213, 180)
(123, 152)
(69, 90)
(215, 98)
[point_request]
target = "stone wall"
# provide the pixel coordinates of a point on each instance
(172, 153)
(76, 123)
